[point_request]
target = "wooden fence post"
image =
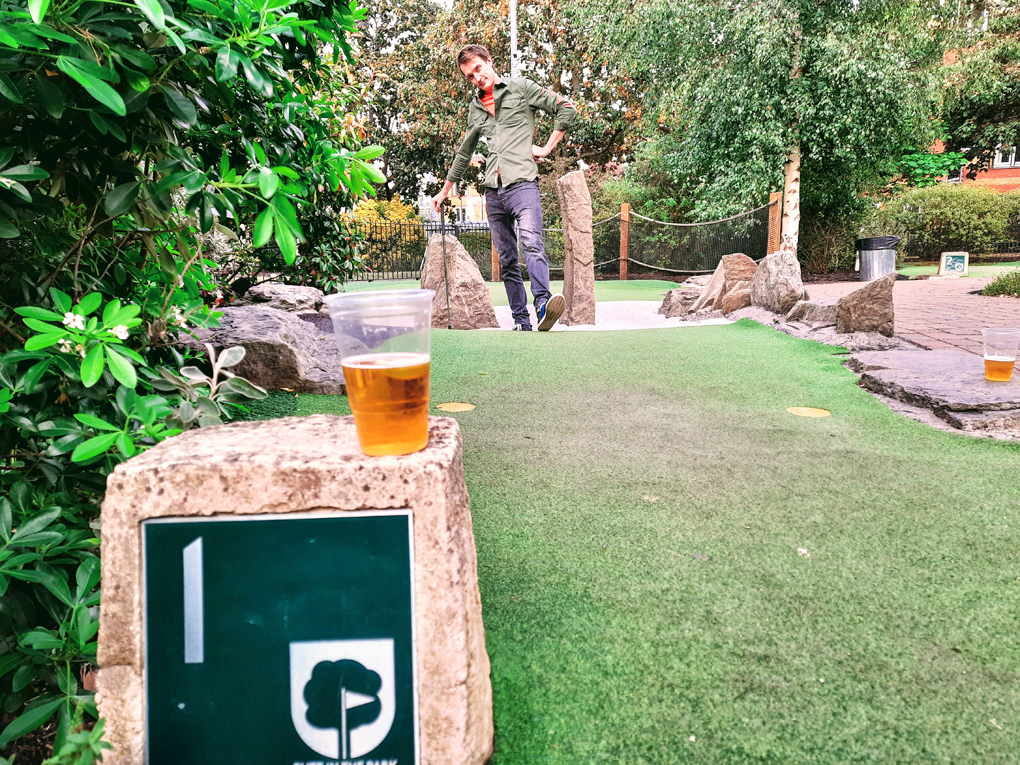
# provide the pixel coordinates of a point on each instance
(624, 239)
(495, 264)
(775, 221)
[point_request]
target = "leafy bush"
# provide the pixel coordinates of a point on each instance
(944, 218)
(1004, 284)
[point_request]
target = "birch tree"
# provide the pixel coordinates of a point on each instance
(816, 98)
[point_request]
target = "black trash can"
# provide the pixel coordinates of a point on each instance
(877, 256)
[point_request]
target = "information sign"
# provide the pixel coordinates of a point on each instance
(280, 640)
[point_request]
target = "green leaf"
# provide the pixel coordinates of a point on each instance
(231, 357)
(237, 389)
(92, 366)
(110, 314)
(153, 12)
(26, 173)
(89, 303)
(41, 326)
(258, 81)
(54, 582)
(16, 188)
(61, 300)
(119, 200)
(93, 447)
(86, 577)
(98, 89)
(9, 90)
(268, 182)
(122, 370)
(34, 312)
(38, 9)
(125, 445)
(43, 341)
(180, 105)
(95, 422)
(370, 171)
(26, 674)
(8, 230)
(36, 524)
(226, 64)
(287, 244)
(6, 519)
(368, 153)
(29, 721)
(263, 227)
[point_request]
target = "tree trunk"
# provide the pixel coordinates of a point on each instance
(791, 201)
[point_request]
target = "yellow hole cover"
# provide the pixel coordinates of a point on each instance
(808, 411)
(455, 406)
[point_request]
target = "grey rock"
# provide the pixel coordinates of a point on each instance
(703, 315)
(678, 302)
(776, 284)
(469, 299)
(818, 312)
(933, 362)
(957, 390)
(983, 422)
(282, 351)
(696, 281)
(869, 309)
(579, 249)
(285, 297)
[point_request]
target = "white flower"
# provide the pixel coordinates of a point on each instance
(802, 551)
(692, 738)
(177, 317)
(119, 331)
(80, 349)
(74, 320)
(65, 345)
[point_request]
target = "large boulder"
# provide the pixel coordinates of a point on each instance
(678, 302)
(736, 298)
(727, 289)
(776, 285)
(282, 351)
(821, 311)
(285, 297)
(579, 255)
(469, 299)
(869, 309)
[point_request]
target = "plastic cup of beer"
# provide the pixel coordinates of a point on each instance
(1000, 352)
(384, 349)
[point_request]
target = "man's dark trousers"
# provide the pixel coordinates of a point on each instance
(519, 203)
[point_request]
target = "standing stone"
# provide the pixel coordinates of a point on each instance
(470, 301)
(776, 285)
(282, 351)
(738, 268)
(579, 260)
(869, 309)
(733, 274)
(285, 297)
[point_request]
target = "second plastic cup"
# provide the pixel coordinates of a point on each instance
(384, 342)
(1000, 352)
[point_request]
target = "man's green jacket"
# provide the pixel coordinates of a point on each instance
(511, 132)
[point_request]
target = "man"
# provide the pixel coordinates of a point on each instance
(503, 111)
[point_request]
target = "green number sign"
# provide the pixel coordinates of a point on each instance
(281, 640)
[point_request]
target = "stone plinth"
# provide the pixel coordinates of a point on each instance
(579, 260)
(306, 465)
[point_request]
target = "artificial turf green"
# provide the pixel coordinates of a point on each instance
(974, 270)
(639, 499)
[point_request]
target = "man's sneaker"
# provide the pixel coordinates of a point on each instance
(550, 311)
(521, 328)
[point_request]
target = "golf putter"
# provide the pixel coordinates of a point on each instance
(446, 275)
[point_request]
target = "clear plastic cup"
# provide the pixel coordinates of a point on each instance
(1000, 352)
(384, 348)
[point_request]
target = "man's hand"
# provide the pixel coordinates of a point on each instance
(540, 152)
(437, 202)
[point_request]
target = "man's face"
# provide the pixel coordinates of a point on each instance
(479, 73)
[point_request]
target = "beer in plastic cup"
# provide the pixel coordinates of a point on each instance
(384, 348)
(1000, 352)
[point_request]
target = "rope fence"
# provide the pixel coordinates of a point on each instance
(628, 245)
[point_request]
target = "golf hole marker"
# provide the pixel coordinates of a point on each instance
(266, 601)
(455, 406)
(808, 411)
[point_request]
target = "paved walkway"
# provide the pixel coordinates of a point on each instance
(940, 313)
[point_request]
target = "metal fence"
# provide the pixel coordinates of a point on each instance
(654, 249)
